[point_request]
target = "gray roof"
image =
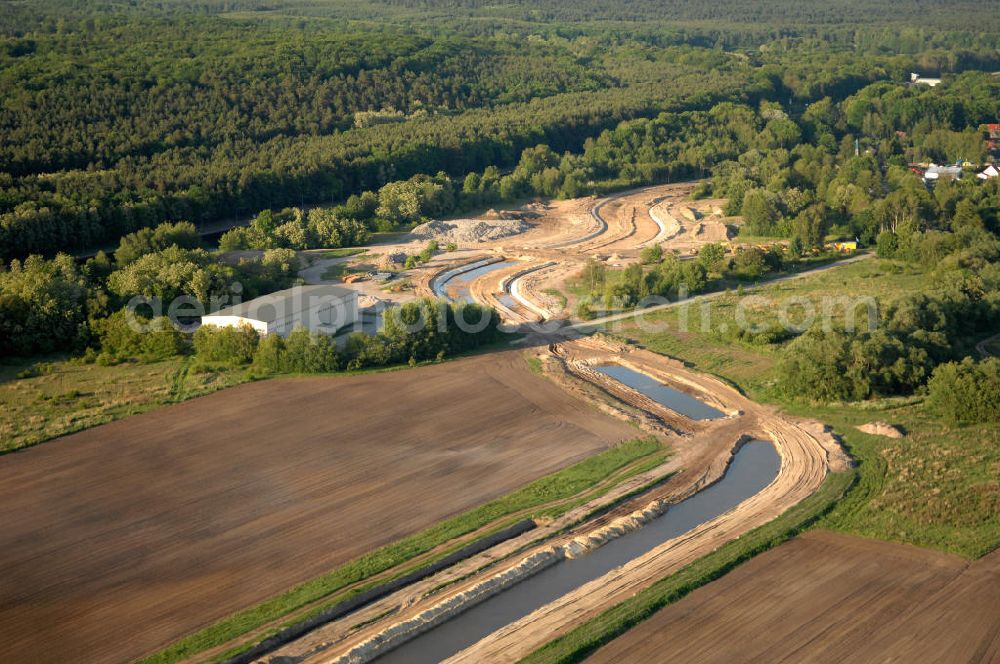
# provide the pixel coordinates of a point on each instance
(947, 171)
(280, 304)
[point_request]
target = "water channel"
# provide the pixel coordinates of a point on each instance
(753, 467)
(673, 399)
(456, 288)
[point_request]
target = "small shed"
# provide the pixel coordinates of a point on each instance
(320, 308)
(990, 171)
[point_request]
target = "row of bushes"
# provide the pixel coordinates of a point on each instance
(415, 332)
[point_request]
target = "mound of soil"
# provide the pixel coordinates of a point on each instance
(880, 428)
(470, 231)
(391, 261)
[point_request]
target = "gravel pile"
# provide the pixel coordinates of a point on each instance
(391, 261)
(470, 231)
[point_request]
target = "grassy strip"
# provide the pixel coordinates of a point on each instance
(240, 652)
(343, 253)
(646, 465)
(588, 637)
(560, 485)
(339, 271)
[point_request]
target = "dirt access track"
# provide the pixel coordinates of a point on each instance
(701, 452)
(125, 537)
(826, 597)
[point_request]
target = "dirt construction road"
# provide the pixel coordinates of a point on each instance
(801, 602)
(122, 538)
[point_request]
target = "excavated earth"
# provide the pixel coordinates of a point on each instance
(702, 451)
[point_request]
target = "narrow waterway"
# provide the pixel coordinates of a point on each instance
(753, 467)
(675, 400)
(457, 287)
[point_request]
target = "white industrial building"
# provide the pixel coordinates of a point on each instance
(322, 308)
(936, 173)
(917, 79)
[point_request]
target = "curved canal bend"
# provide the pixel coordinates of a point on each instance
(753, 467)
(457, 286)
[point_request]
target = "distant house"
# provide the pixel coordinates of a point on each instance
(991, 171)
(993, 139)
(935, 173)
(917, 79)
(320, 308)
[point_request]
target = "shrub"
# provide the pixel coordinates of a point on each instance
(144, 241)
(713, 257)
(427, 329)
(229, 345)
(966, 392)
(593, 276)
(267, 359)
(139, 339)
(43, 306)
(652, 254)
(886, 244)
(749, 263)
(702, 190)
(307, 352)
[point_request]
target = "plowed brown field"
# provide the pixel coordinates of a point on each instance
(122, 538)
(826, 597)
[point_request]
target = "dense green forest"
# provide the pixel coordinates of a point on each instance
(120, 115)
(132, 124)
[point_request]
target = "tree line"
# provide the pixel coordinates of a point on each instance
(186, 115)
(425, 330)
(59, 304)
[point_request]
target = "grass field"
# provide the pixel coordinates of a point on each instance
(937, 487)
(339, 271)
(66, 396)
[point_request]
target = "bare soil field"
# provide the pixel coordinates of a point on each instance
(123, 538)
(827, 597)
